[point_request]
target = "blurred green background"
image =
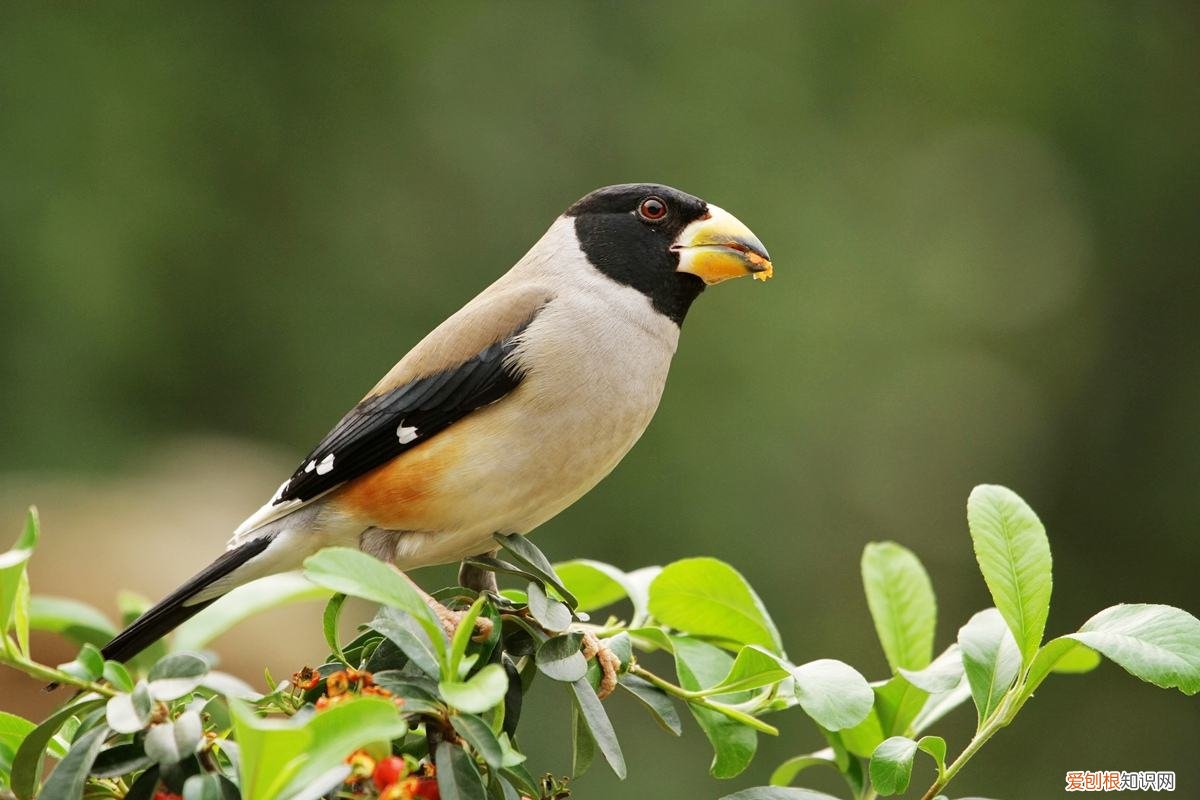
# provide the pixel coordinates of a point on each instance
(220, 222)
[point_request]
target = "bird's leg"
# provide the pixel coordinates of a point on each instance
(609, 663)
(449, 618)
(481, 580)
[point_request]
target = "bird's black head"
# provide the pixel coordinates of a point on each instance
(665, 243)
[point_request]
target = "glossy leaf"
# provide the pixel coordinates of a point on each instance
(205, 786)
(594, 583)
(13, 730)
(786, 772)
(482, 691)
(12, 570)
(1014, 557)
(583, 745)
(171, 741)
(656, 701)
(710, 599)
(353, 572)
(834, 694)
(700, 665)
(27, 762)
(943, 673)
(1159, 644)
(559, 658)
(753, 668)
(88, 665)
(891, 765)
(990, 658)
(69, 775)
(176, 675)
(129, 713)
(457, 777)
(903, 608)
(329, 625)
(408, 635)
(479, 735)
(462, 637)
(528, 556)
(598, 724)
(551, 614)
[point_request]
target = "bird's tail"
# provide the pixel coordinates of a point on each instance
(170, 612)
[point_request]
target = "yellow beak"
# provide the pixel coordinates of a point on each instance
(719, 247)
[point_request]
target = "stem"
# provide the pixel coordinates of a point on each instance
(1000, 718)
(699, 699)
(50, 675)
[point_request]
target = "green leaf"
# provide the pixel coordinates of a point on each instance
(27, 763)
(935, 746)
(753, 668)
(70, 774)
(407, 634)
(891, 765)
(943, 673)
(205, 786)
(479, 735)
(243, 602)
(902, 604)
(279, 757)
(87, 666)
(129, 713)
(77, 621)
(786, 772)
(463, 634)
(457, 777)
(329, 625)
(174, 740)
(834, 694)
(700, 665)
(897, 705)
(599, 726)
(1159, 644)
(656, 701)
(1077, 660)
(710, 599)
(594, 583)
(120, 760)
(12, 571)
(990, 658)
(528, 556)
(1014, 556)
(583, 746)
(176, 674)
(550, 613)
(353, 572)
(482, 691)
(13, 730)
(116, 674)
(559, 658)
(778, 793)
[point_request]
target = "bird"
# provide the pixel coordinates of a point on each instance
(506, 413)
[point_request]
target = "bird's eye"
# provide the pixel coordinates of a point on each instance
(652, 209)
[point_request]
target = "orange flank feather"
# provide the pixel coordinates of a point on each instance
(401, 494)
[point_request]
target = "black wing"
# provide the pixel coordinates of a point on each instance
(383, 426)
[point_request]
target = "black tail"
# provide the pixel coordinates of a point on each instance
(170, 612)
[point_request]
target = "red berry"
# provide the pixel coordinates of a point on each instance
(388, 771)
(427, 789)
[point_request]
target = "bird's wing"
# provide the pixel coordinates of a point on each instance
(463, 365)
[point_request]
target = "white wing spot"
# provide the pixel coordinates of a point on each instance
(311, 466)
(279, 492)
(326, 465)
(406, 435)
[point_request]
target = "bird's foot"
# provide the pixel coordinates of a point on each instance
(451, 620)
(608, 661)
